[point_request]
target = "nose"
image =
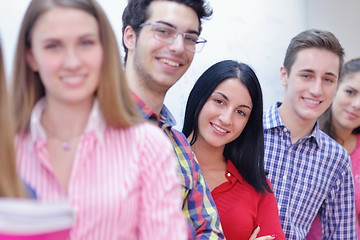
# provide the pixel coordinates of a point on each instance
(225, 117)
(316, 87)
(72, 60)
(178, 44)
(356, 102)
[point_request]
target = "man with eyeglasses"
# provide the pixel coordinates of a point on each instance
(160, 39)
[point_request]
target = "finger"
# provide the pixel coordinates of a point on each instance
(255, 233)
(268, 237)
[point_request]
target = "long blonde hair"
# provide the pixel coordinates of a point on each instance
(114, 96)
(10, 185)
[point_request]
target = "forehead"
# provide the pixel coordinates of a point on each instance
(179, 15)
(235, 90)
(317, 60)
(352, 79)
(64, 20)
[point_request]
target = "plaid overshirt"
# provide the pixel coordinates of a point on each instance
(198, 206)
(310, 175)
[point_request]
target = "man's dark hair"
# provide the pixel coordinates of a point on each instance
(136, 12)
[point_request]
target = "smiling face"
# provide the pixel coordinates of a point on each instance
(346, 104)
(67, 52)
(156, 65)
(225, 114)
(310, 86)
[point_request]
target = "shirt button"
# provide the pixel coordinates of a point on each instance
(229, 174)
(284, 177)
(285, 129)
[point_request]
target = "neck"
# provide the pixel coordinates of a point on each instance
(299, 128)
(153, 100)
(342, 134)
(210, 158)
(65, 122)
(345, 137)
(151, 96)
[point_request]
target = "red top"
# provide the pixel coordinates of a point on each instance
(241, 208)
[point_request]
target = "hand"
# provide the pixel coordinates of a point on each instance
(256, 232)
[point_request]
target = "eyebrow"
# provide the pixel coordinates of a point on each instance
(312, 71)
(86, 35)
(351, 88)
(90, 34)
(224, 96)
(173, 26)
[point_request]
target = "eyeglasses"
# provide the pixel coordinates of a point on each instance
(167, 34)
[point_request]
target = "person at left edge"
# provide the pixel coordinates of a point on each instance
(80, 136)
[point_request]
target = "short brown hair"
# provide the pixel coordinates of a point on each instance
(313, 38)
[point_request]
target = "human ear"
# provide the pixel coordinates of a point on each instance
(129, 38)
(30, 60)
(283, 76)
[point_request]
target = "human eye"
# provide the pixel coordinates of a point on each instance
(241, 112)
(305, 75)
(218, 101)
(52, 46)
(330, 79)
(191, 38)
(87, 42)
(164, 31)
(349, 91)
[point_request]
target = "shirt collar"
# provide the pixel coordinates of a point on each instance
(165, 115)
(233, 171)
(36, 130)
(272, 119)
(315, 134)
(96, 122)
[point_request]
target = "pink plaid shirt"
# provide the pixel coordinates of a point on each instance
(123, 183)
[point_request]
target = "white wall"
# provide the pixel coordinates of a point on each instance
(12, 11)
(340, 17)
(256, 32)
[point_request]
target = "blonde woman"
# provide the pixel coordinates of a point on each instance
(79, 134)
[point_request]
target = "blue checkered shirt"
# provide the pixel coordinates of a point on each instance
(311, 175)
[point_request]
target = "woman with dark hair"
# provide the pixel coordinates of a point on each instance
(223, 123)
(341, 121)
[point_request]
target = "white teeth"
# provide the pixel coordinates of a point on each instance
(171, 63)
(72, 79)
(219, 129)
(311, 101)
